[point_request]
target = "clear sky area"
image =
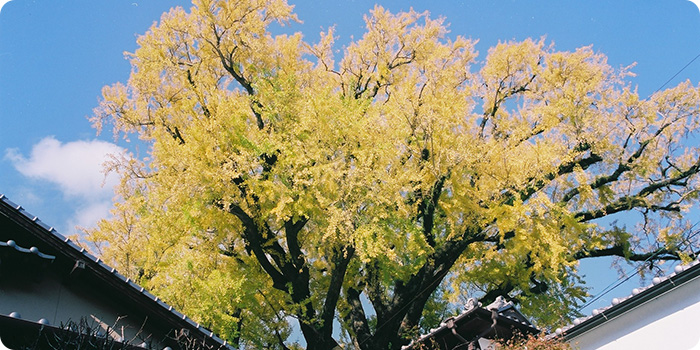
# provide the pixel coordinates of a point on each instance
(55, 56)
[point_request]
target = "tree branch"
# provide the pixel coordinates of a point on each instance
(563, 169)
(292, 229)
(357, 318)
(341, 259)
(621, 169)
(623, 251)
(254, 242)
(375, 291)
(229, 66)
(637, 201)
(426, 210)
(410, 298)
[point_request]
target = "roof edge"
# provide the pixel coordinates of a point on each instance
(660, 285)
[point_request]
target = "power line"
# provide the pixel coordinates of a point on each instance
(679, 72)
(607, 289)
(622, 280)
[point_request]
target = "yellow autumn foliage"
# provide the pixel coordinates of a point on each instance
(284, 182)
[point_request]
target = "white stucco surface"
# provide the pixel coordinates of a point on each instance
(53, 300)
(670, 321)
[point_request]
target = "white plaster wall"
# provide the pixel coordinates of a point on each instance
(58, 303)
(670, 321)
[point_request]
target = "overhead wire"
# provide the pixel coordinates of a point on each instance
(622, 280)
(679, 72)
(628, 276)
(608, 289)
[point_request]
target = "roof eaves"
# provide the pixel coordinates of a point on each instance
(660, 285)
(473, 307)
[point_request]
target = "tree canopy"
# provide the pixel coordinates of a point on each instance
(362, 197)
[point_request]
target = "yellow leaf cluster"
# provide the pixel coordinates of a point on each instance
(400, 150)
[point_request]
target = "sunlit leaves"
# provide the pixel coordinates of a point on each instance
(281, 178)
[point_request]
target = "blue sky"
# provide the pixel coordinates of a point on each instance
(55, 56)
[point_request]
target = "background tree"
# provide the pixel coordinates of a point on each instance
(539, 342)
(365, 194)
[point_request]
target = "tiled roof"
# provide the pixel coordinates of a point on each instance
(507, 315)
(111, 273)
(639, 296)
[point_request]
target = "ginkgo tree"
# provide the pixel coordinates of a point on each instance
(359, 197)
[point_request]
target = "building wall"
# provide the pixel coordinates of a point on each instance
(669, 321)
(60, 302)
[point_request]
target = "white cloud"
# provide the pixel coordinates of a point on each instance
(89, 215)
(77, 169)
